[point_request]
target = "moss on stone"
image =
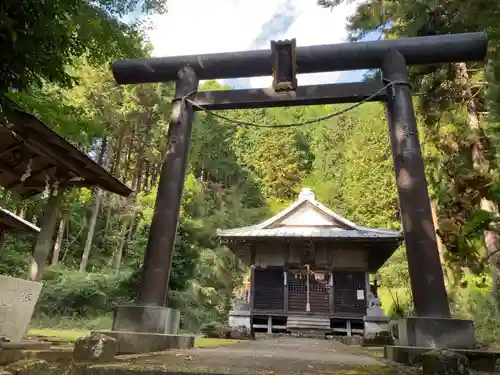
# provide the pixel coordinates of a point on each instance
(8, 356)
(29, 367)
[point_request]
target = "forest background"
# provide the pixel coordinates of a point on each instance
(238, 175)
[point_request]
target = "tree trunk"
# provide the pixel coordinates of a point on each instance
(115, 166)
(481, 165)
(436, 226)
(22, 212)
(107, 223)
(117, 259)
(90, 234)
(115, 171)
(2, 238)
(491, 241)
(5, 198)
(59, 240)
(130, 148)
(45, 237)
(130, 235)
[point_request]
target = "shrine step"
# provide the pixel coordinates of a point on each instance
(308, 333)
(304, 322)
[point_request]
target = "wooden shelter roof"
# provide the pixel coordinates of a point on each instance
(31, 154)
(11, 222)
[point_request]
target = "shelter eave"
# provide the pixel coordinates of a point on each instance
(24, 140)
(248, 233)
(378, 249)
(11, 222)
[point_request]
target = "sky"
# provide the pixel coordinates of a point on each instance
(211, 26)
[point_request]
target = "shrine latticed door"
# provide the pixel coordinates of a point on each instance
(308, 291)
(349, 292)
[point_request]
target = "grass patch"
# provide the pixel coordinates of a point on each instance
(69, 323)
(73, 335)
(66, 334)
(203, 342)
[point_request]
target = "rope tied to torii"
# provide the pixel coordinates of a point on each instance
(390, 84)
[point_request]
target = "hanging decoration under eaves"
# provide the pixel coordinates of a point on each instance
(321, 277)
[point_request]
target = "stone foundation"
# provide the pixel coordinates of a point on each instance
(239, 319)
(140, 342)
(479, 360)
(444, 362)
(434, 333)
(143, 329)
(146, 319)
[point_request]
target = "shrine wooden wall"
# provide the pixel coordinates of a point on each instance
(326, 255)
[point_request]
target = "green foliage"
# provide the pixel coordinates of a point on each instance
(460, 141)
(474, 301)
(71, 293)
(40, 39)
(212, 329)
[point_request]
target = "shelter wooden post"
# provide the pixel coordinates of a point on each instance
(2, 238)
(426, 274)
(158, 258)
(44, 240)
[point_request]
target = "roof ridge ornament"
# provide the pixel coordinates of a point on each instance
(306, 194)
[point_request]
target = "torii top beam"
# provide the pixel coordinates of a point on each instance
(313, 59)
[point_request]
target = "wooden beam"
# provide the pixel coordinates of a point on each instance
(40, 148)
(10, 149)
(31, 177)
(305, 95)
(435, 49)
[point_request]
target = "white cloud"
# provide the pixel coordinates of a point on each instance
(209, 26)
(315, 26)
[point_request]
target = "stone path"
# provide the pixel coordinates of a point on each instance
(276, 356)
(289, 348)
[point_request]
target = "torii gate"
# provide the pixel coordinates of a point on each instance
(283, 61)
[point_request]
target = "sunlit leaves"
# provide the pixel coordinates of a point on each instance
(41, 39)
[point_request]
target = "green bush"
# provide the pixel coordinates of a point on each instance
(71, 293)
(213, 330)
(71, 296)
(475, 301)
(14, 257)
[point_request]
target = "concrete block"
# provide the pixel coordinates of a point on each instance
(435, 333)
(18, 298)
(148, 319)
(96, 347)
(444, 362)
(381, 338)
(479, 360)
(351, 340)
(239, 319)
(141, 342)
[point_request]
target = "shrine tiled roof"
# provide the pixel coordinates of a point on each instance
(312, 232)
(307, 217)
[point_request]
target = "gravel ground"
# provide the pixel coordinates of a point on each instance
(276, 356)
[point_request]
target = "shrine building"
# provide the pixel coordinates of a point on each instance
(310, 268)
